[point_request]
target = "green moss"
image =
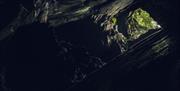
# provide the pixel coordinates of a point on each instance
(114, 20)
(139, 22)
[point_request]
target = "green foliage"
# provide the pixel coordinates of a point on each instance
(140, 22)
(114, 20)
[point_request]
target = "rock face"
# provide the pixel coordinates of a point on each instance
(60, 12)
(80, 45)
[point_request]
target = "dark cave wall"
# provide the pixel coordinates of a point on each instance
(35, 64)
